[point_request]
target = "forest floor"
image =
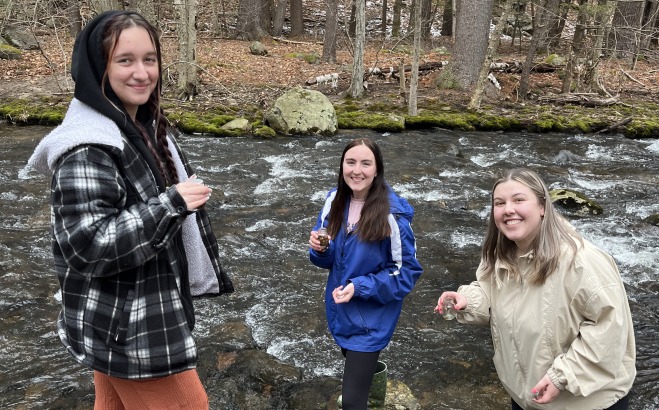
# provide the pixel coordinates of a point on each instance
(231, 76)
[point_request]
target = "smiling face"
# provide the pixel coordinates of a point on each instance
(517, 213)
(359, 170)
(133, 70)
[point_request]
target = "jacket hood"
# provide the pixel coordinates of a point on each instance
(82, 125)
(400, 206)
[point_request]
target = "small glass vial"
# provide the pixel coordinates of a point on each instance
(323, 238)
(449, 308)
(535, 394)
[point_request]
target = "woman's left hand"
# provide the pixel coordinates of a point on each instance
(343, 294)
(194, 194)
(547, 392)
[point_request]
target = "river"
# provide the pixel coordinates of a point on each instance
(267, 194)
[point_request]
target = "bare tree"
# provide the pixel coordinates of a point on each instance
(383, 19)
(186, 11)
(357, 82)
(471, 38)
(279, 17)
(414, 80)
(331, 25)
(395, 24)
(99, 6)
(627, 20)
(576, 49)
(447, 19)
(539, 35)
(73, 14)
(297, 22)
(248, 25)
(489, 57)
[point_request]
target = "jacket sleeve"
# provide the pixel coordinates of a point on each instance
(594, 358)
(398, 279)
(323, 259)
(97, 233)
(477, 293)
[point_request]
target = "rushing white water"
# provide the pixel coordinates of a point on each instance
(267, 194)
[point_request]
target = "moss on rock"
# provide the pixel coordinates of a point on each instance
(576, 202)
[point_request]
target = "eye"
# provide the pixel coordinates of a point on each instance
(498, 203)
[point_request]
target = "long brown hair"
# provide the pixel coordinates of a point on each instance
(161, 153)
(373, 223)
(554, 232)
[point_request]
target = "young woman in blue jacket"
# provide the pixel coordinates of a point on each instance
(371, 257)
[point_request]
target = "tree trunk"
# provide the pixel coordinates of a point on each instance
(577, 47)
(648, 24)
(627, 18)
(491, 53)
(557, 27)
(447, 19)
(280, 15)
(427, 17)
(248, 25)
(186, 11)
(357, 82)
(146, 8)
(331, 25)
(414, 80)
(603, 16)
(351, 20)
(75, 20)
(395, 23)
(410, 22)
(471, 37)
(383, 18)
(266, 15)
(99, 6)
(539, 35)
(297, 22)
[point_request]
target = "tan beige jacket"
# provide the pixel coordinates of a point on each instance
(576, 328)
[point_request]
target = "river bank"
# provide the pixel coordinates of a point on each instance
(236, 84)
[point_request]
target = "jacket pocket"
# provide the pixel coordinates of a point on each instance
(349, 320)
(124, 320)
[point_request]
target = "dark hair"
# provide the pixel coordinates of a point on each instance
(373, 223)
(554, 232)
(112, 30)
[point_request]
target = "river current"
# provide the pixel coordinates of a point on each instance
(267, 194)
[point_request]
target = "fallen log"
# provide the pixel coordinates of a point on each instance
(585, 99)
(615, 126)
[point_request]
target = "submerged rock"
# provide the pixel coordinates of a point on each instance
(576, 202)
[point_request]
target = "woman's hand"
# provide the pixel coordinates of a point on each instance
(461, 301)
(194, 193)
(545, 390)
(314, 242)
(343, 294)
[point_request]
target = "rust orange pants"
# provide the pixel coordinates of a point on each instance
(179, 391)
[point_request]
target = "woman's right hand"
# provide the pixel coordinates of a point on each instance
(461, 301)
(314, 242)
(194, 194)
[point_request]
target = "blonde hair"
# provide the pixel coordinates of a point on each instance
(554, 232)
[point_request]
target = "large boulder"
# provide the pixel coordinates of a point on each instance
(303, 112)
(20, 38)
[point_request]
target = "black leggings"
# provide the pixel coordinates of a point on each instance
(619, 405)
(357, 377)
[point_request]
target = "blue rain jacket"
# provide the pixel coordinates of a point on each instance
(383, 273)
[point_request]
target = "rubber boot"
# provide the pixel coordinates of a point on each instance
(378, 391)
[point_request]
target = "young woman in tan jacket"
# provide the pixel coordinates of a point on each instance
(557, 308)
